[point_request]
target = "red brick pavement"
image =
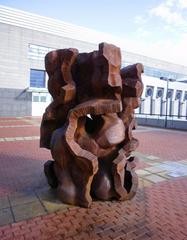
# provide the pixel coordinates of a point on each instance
(21, 118)
(14, 123)
(21, 166)
(19, 132)
(9, 118)
(155, 213)
(168, 145)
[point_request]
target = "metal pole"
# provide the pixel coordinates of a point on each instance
(166, 103)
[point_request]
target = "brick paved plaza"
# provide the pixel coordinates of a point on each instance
(29, 209)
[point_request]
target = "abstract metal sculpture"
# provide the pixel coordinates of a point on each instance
(88, 126)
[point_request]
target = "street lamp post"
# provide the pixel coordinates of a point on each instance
(166, 118)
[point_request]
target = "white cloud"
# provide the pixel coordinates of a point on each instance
(140, 20)
(168, 50)
(171, 51)
(167, 14)
(142, 32)
(182, 4)
(166, 22)
(170, 3)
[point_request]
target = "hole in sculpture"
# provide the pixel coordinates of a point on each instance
(127, 180)
(93, 123)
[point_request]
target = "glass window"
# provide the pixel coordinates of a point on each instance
(158, 73)
(37, 78)
(43, 99)
(169, 93)
(160, 92)
(141, 108)
(185, 96)
(178, 95)
(171, 108)
(37, 52)
(162, 74)
(149, 91)
(35, 98)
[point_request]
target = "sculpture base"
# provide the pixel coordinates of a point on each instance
(102, 187)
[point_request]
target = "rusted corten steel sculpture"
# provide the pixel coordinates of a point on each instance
(88, 126)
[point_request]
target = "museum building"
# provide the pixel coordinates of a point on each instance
(25, 40)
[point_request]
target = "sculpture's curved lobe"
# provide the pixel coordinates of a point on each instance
(89, 124)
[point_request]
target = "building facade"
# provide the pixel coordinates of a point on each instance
(25, 40)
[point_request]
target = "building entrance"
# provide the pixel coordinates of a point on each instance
(39, 103)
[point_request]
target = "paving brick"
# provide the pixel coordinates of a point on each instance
(33, 235)
(28, 138)
(9, 139)
(146, 183)
(154, 178)
(153, 158)
(6, 216)
(151, 163)
(50, 200)
(154, 169)
(22, 198)
(142, 172)
(29, 210)
(164, 175)
(18, 138)
(4, 202)
(183, 162)
(7, 238)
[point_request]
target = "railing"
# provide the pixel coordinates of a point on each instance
(167, 121)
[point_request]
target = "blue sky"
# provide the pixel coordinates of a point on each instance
(156, 28)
